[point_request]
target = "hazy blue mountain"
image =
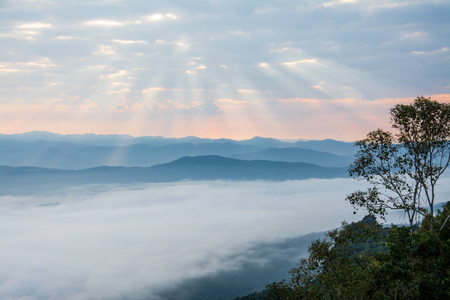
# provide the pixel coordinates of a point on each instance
(217, 167)
(87, 138)
(331, 146)
(266, 142)
(328, 145)
(107, 139)
(70, 155)
(298, 155)
(50, 154)
(80, 151)
(23, 180)
(67, 155)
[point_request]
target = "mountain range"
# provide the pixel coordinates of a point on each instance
(327, 145)
(43, 149)
(25, 180)
(42, 161)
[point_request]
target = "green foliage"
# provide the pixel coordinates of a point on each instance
(365, 261)
(338, 267)
(404, 168)
(415, 266)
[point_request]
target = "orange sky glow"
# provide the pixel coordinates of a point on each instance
(341, 119)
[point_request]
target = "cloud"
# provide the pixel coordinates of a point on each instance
(176, 43)
(376, 49)
(175, 106)
(247, 91)
(44, 62)
(103, 23)
(286, 49)
(128, 107)
(301, 61)
(119, 91)
(231, 101)
(65, 37)
(160, 17)
(119, 83)
(129, 42)
(25, 67)
(153, 89)
(96, 67)
(21, 34)
(111, 242)
(121, 241)
(114, 23)
(105, 50)
(116, 75)
(443, 49)
(375, 4)
(37, 25)
(414, 35)
(9, 70)
(239, 33)
(347, 119)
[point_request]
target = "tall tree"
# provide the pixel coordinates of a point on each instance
(404, 168)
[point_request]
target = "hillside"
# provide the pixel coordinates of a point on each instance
(24, 180)
(298, 155)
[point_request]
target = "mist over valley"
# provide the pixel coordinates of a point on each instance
(197, 227)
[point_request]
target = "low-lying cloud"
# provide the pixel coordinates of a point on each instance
(117, 242)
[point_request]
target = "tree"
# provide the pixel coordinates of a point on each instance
(363, 260)
(404, 168)
(338, 267)
(416, 264)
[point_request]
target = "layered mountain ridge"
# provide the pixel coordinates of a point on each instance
(29, 163)
(42, 149)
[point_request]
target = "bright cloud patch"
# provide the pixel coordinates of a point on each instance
(177, 43)
(301, 61)
(153, 89)
(36, 25)
(105, 50)
(129, 42)
(443, 49)
(159, 17)
(119, 91)
(103, 23)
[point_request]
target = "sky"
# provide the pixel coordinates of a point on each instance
(133, 242)
(219, 68)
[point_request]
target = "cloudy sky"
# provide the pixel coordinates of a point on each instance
(216, 68)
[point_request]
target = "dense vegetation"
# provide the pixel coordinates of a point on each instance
(363, 260)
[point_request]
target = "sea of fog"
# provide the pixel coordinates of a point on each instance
(140, 241)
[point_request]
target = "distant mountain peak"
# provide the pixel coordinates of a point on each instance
(258, 138)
